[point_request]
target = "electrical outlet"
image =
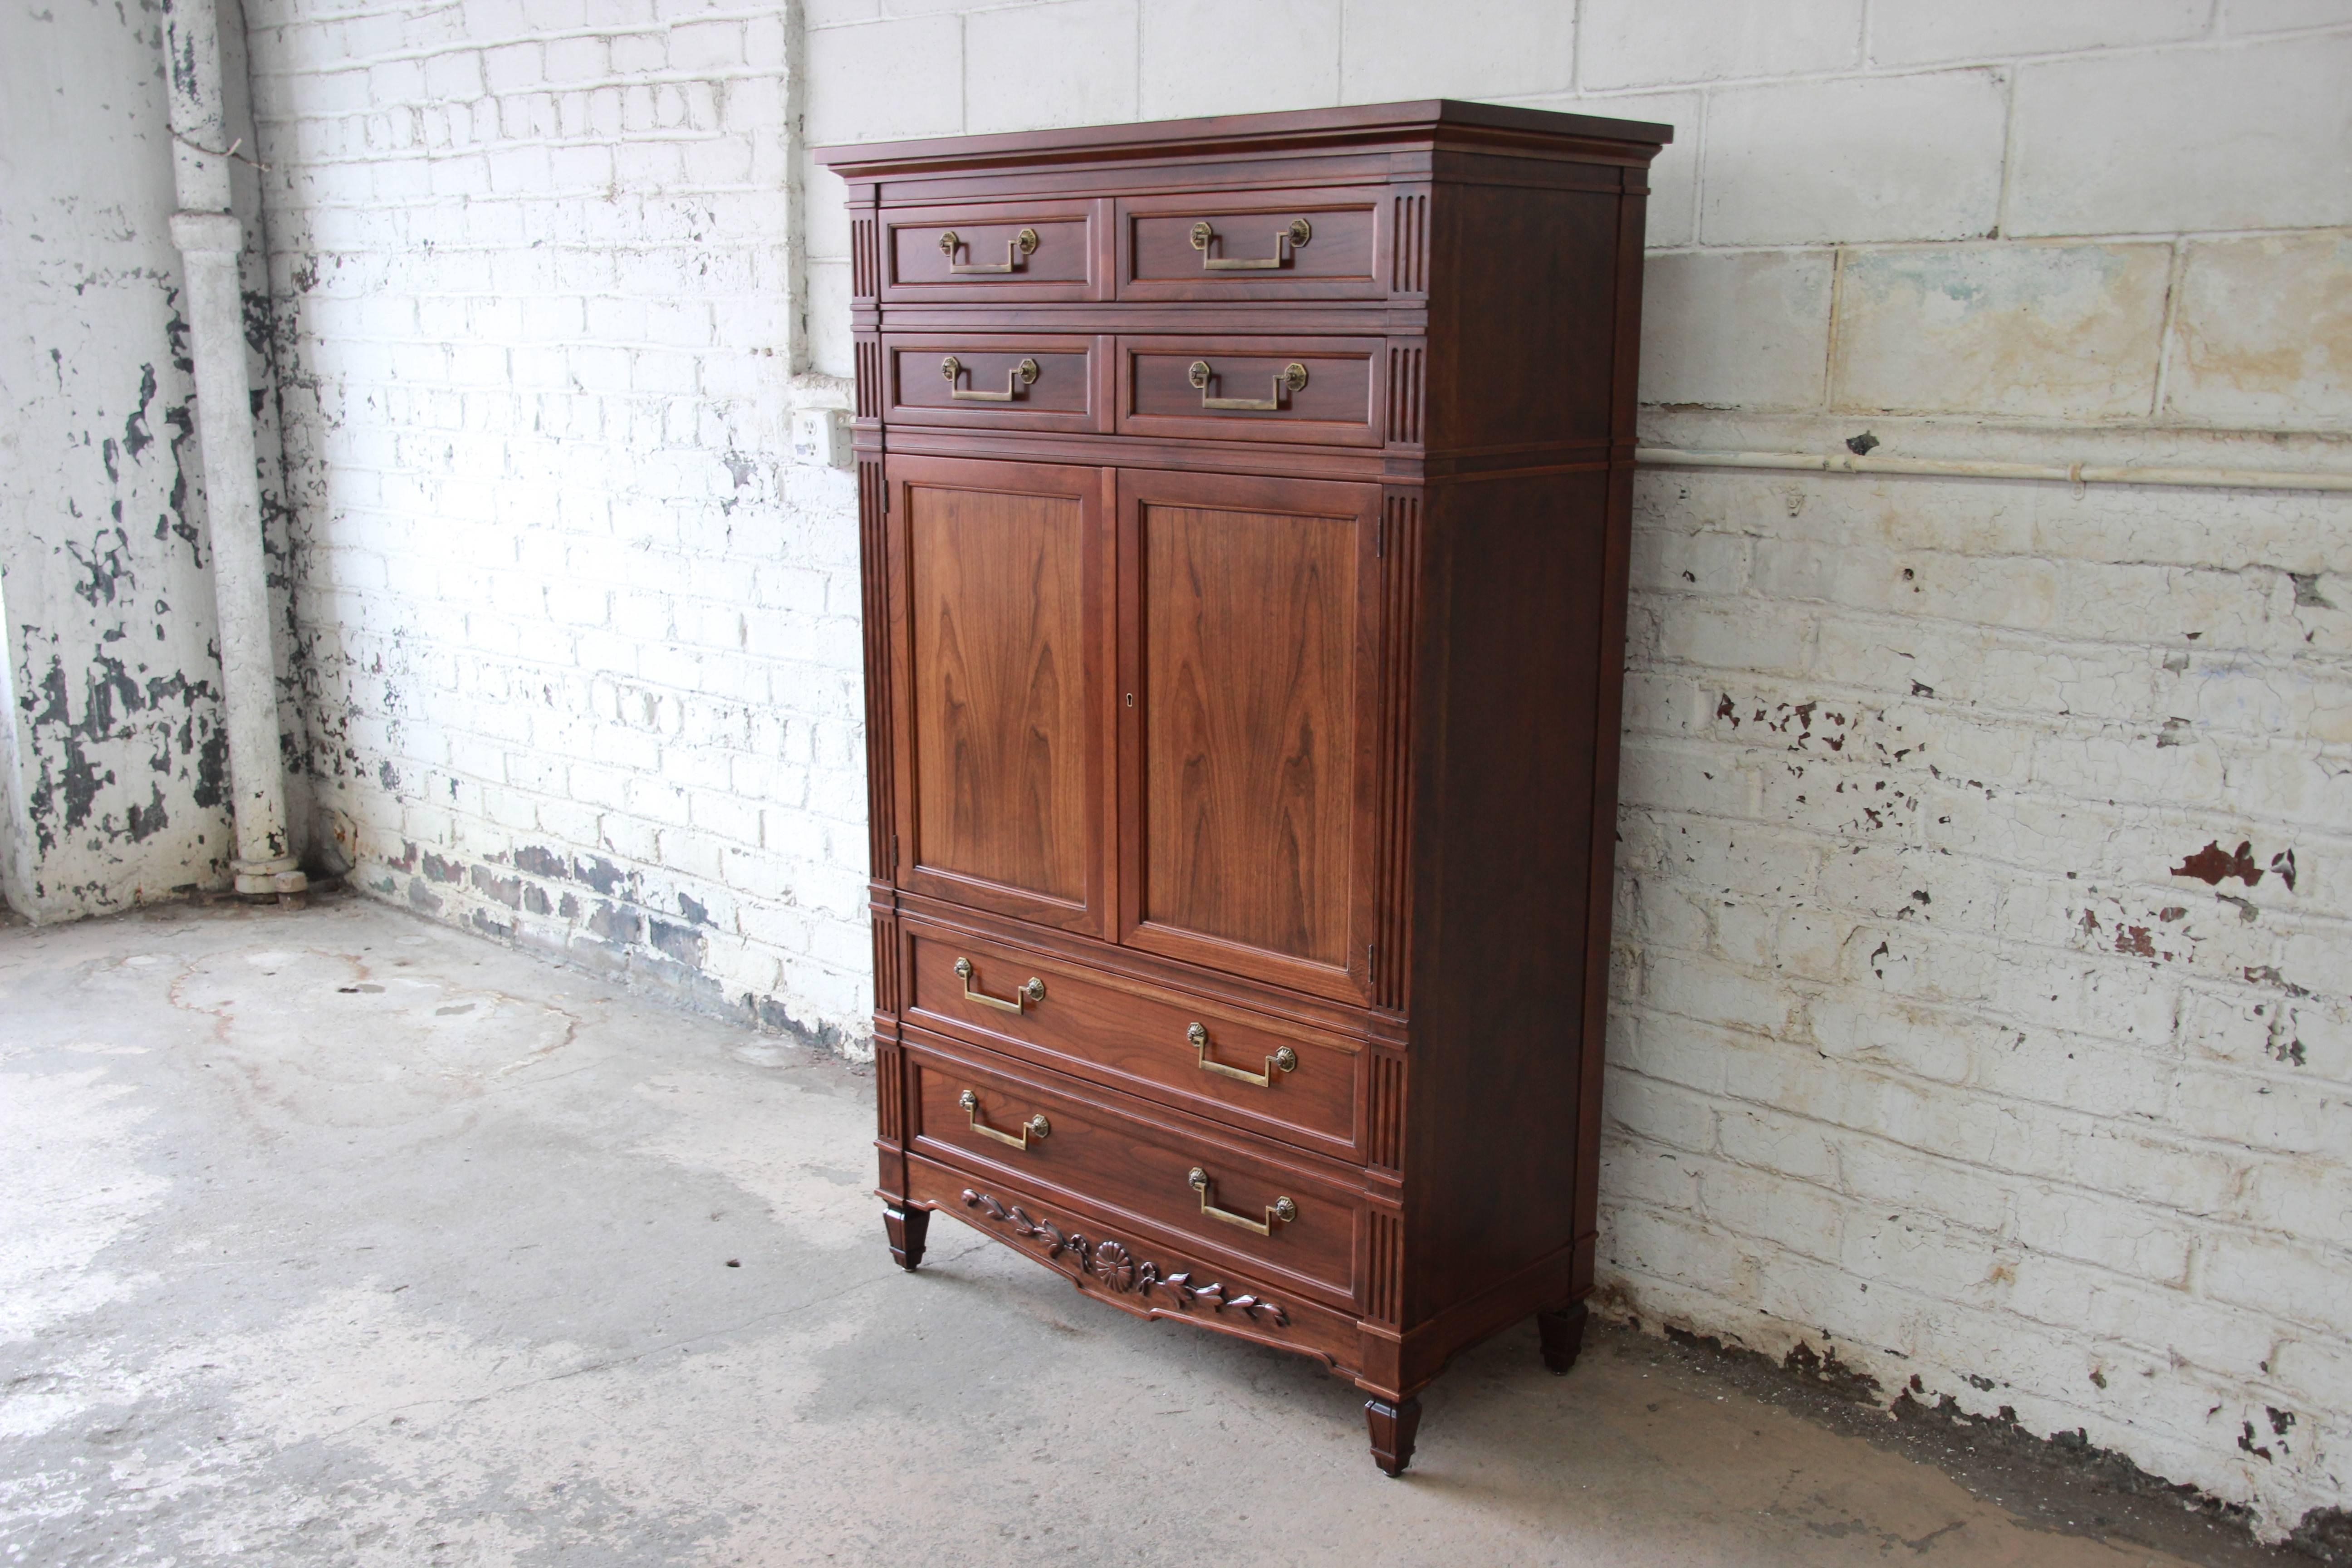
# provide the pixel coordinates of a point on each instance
(821, 437)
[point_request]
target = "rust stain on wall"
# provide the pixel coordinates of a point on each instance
(2211, 864)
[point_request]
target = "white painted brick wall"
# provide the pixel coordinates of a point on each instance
(1232, 57)
(582, 647)
(1922, 1054)
(2102, 143)
(1941, 330)
(1928, 961)
(1782, 299)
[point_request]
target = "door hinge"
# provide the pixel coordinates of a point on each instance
(1369, 949)
(1380, 538)
(894, 854)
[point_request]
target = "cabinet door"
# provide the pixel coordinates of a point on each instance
(1249, 647)
(1001, 584)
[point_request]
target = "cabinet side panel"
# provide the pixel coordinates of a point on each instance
(1602, 899)
(1523, 297)
(1503, 837)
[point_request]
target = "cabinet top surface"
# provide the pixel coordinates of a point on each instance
(1423, 120)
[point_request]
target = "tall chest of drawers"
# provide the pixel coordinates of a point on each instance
(1244, 510)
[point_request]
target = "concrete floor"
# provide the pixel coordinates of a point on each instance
(334, 1236)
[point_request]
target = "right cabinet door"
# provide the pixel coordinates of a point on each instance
(1249, 660)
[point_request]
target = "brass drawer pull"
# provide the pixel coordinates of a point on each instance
(1286, 240)
(1293, 377)
(1283, 1060)
(1036, 1128)
(1282, 1210)
(1019, 246)
(1023, 995)
(1020, 375)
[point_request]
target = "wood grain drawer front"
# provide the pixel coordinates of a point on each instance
(1261, 244)
(1320, 391)
(1054, 1139)
(1138, 1037)
(1037, 251)
(1148, 1277)
(1027, 382)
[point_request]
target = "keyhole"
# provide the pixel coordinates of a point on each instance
(1130, 699)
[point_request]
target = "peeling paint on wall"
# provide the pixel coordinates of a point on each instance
(16, 852)
(114, 715)
(114, 706)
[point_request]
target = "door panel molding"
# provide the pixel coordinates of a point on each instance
(1279, 883)
(1001, 617)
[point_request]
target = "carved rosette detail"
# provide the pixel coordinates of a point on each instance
(1111, 1265)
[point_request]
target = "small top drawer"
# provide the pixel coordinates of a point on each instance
(1036, 251)
(1319, 391)
(1257, 245)
(1036, 381)
(1215, 1059)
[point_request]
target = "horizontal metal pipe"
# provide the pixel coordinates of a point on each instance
(2076, 473)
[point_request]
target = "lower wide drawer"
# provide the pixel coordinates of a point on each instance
(1208, 1057)
(1135, 1272)
(1214, 1194)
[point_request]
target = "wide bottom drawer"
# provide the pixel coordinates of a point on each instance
(1216, 1194)
(1136, 1272)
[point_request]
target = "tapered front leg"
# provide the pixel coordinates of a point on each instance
(907, 1225)
(1563, 1335)
(1394, 1427)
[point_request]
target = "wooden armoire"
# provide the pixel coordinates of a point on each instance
(1243, 506)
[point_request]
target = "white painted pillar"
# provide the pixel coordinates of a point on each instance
(210, 241)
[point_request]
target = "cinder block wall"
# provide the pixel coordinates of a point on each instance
(1986, 851)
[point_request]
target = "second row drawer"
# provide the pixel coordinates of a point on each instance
(1324, 391)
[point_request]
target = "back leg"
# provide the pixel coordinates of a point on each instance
(1563, 1335)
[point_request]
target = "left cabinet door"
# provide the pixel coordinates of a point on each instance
(1001, 579)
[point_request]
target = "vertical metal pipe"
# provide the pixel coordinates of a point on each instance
(210, 242)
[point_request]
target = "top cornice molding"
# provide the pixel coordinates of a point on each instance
(1441, 122)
